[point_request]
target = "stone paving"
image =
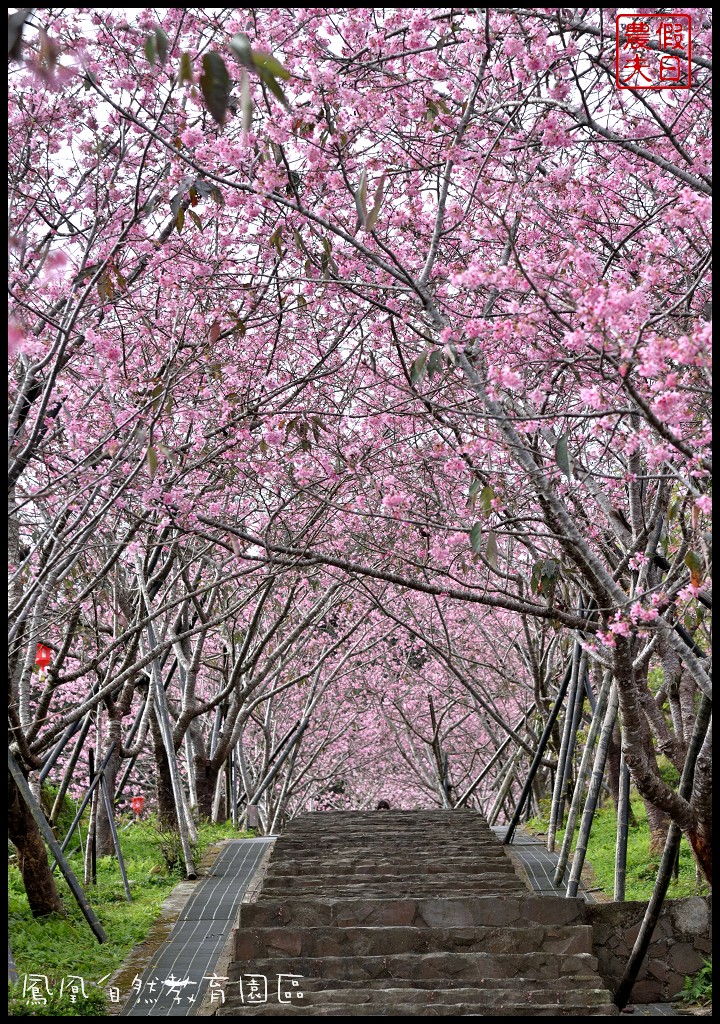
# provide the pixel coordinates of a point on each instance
(538, 863)
(181, 970)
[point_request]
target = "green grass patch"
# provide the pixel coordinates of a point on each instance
(62, 948)
(642, 866)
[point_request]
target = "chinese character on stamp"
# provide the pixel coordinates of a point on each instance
(653, 51)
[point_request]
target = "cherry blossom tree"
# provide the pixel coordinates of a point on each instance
(413, 305)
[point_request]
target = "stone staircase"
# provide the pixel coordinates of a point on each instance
(410, 914)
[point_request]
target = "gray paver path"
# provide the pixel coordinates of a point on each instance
(178, 975)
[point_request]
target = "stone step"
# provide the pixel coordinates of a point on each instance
(313, 987)
(436, 1002)
(411, 1010)
(423, 838)
(484, 996)
(370, 831)
(475, 969)
(348, 869)
(257, 943)
(372, 852)
(448, 912)
(317, 821)
(387, 824)
(394, 889)
(437, 880)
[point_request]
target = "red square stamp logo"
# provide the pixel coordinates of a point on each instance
(653, 51)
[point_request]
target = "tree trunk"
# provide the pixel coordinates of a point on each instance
(205, 782)
(700, 840)
(40, 887)
(613, 774)
(105, 844)
(167, 816)
(658, 823)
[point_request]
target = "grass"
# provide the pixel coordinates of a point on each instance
(642, 866)
(61, 948)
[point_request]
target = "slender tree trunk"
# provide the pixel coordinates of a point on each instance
(700, 837)
(167, 816)
(24, 834)
(218, 808)
(613, 766)
(105, 845)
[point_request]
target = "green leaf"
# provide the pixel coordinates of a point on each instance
(435, 362)
(472, 493)
(87, 272)
(561, 455)
(361, 199)
(486, 497)
(105, 287)
(196, 220)
(156, 395)
(161, 41)
(417, 368)
(491, 551)
(276, 240)
(186, 69)
(151, 50)
(266, 61)
(152, 461)
(377, 203)
(536, 579)
(696, 565)
(215, 85)
(476, 538)
(450, 355)
(274, 86)
(240, 46)
(180, 220)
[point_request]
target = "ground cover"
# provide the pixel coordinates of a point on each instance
(54, 954)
